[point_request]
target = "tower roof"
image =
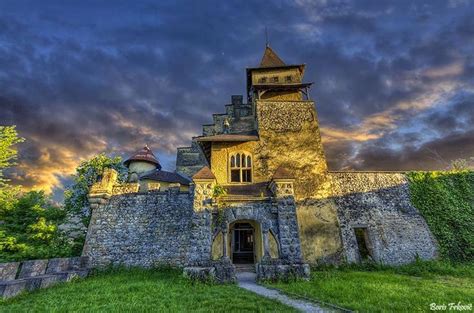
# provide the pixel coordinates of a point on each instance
(144, 155)
(271, 59)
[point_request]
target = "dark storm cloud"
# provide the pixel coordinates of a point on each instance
(390, 78)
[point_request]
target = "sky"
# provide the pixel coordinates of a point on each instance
(393, 80)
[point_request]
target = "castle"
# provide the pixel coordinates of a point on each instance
(254, 188)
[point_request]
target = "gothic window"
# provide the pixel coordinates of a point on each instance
(263, 80)
(275, 79)
(241, 168)
(288, 79)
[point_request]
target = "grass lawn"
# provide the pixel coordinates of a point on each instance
(409, 288)
(139, 290)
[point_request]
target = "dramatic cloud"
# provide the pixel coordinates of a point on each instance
(394, 81)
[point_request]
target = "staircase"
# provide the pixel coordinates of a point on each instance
(245, 268)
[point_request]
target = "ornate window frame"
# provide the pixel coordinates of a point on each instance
(240, 162)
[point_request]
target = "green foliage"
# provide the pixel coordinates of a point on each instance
(140, 290)
(89, 172)
(419, 268)
(446, 200)
(8, 153)
(29, 229)
(218, 191)
(366, 288)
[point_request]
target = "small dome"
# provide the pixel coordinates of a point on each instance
(144, 155)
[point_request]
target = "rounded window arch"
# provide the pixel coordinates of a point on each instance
(240, 167)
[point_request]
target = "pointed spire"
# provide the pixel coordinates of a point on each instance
(270, 58)
(266, 37)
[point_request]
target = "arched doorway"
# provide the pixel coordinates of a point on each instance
(243, 243)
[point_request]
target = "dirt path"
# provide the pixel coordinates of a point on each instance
(247, 281)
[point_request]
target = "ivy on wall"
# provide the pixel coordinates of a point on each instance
(446, 200)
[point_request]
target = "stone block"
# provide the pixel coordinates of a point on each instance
(12, 288)
(58, 265)
(283, 272)
(79, 263)
(42, 281)
(70, 275)
(224, 271)
(8, 270)
(33, 268)
(200, 273)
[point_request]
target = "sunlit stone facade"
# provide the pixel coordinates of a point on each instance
(260, 193)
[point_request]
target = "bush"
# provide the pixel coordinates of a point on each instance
(446, 200)
(30, 229)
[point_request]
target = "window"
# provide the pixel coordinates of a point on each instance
(241, 168)
(275, 79)
(263, 80)
(288, 79)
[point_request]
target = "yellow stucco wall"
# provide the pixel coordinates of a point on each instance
(282, 95)
(319, 230)
(140, 167)
(163, 185)
(274, 252)
(280, 73)
(289, 137)
(220, 155)
(216, 249)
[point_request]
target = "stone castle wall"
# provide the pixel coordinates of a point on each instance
(380, 202)
(146, 229)
(376, 201)
(289, 137)
(141, 229)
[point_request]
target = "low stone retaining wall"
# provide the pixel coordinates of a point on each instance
(16, 277)
(277, 270)
(222, 271)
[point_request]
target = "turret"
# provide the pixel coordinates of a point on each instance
(141, 162)
(275, 80)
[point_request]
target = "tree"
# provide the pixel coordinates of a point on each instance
(462, 164)
(29, 229)
(89, 172)
(8, 153)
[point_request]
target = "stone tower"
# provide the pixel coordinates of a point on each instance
(287, 122)
(278, 126)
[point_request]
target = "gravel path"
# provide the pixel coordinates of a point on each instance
(247, 281)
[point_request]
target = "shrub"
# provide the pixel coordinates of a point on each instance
(30, 229)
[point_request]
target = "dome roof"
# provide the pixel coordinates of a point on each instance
(144, 155)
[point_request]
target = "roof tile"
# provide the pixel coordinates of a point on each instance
(145, 155)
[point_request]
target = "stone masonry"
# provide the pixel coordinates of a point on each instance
(259, 166)
(380, 203)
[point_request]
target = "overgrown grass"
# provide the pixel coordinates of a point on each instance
(376, 288)
(138, 290)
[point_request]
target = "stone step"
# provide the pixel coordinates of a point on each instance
(248, 268)
(12, 288)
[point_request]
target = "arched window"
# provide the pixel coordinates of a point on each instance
(240, 168)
